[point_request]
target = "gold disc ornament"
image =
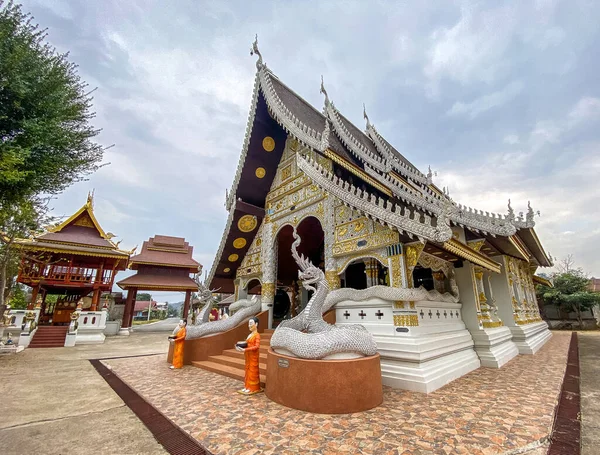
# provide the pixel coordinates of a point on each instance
(268, 144)
(247, 223)
(239, 243)
(226, 270)
(233, 257)
(260, 172)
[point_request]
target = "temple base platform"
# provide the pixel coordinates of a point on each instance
(530, 338)
(324, 386)
(495, 346)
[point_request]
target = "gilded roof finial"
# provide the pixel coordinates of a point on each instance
(324, 92)
(254, 50)
(366, 116)
(90, 199)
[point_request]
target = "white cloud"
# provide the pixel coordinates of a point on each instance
(487, 102)
(511, 139)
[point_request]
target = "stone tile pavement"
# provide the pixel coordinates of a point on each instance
(488, 411)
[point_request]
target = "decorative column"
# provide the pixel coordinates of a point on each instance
(95, 300)
(372, 272)
(412, 253)
(269, 268)
(186, 304)
(34, 293)
(439, 281)
(331, 273)
(485, 316)
(127, 312)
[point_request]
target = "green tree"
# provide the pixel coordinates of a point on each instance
(143, 297)
(45, 112)
(569, 292)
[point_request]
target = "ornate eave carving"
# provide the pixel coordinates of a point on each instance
(380, 210)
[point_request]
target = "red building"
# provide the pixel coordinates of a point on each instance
(74, 259)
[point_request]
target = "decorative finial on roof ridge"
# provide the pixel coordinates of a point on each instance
(254, 50)
(366, 116)
(324, 92)
(511, 212)
(90, 199)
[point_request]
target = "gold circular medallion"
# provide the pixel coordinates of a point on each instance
(260, 172)
(233, 257)
(226, 270)
(268, 144)
(258, 242)
(247, 223)
(239, 243)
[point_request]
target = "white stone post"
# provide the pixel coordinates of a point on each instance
(269, 268)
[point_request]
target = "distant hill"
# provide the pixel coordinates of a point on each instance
(176, 305)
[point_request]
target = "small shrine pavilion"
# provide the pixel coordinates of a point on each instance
(164, 264)
(72, 260)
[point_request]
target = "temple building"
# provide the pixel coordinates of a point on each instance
(443, 287)
(76, 261)
(164, 264)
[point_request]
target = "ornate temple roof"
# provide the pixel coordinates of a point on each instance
(80, 234)
(163, 250)
(412, 204)
(159, 282)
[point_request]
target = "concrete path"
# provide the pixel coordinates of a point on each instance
(166, 325)
(589, 361)
(54, 401)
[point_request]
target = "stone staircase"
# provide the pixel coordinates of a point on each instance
(48, 336)
(231, 363)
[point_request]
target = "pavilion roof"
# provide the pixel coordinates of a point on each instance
(144, 281)
(80, 234)
(167, 251)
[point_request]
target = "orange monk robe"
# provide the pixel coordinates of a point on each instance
(252, 355)
(178, 350)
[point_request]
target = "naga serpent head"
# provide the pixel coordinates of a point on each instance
(308, 273)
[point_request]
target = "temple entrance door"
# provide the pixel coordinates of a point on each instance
(311, 246)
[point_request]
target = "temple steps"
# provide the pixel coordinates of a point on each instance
(49, 337)
(231, 363)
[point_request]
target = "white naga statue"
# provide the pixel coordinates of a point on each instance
(202, 326)
(307, 335)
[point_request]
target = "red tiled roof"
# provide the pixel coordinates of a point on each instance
(141, 305)
(167, 282)
(77, 234)
(166, 251)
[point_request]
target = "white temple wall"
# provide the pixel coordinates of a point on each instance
(529, 335)
(493, 343)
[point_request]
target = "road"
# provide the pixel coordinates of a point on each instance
(166, 325)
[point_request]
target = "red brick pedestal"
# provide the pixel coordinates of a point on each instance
(324, 386)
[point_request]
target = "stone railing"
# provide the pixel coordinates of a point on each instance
(90, 327)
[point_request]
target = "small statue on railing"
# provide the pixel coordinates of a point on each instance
(251, 350)
(178, 337)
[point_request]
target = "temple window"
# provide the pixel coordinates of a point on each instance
(423, 277)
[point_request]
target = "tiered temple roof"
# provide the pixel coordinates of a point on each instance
(397, 194)
(79, 235)
(163, 264)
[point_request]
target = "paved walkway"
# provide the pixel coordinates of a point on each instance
(589, 355)
(485, 412)
(54, 401)
(166, 325)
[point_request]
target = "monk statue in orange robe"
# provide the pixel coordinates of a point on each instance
(251, 350)
(178, 338)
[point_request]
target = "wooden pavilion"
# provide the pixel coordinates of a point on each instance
(72, 259)
(164, 264)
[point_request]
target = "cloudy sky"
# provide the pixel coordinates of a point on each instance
(501, 98)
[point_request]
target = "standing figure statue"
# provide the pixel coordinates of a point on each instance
(178, 338)
(251, 350)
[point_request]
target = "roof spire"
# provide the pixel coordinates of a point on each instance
(511, 212)
(366, 116)
(90, 199)
(324, 92)
(254, 50)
